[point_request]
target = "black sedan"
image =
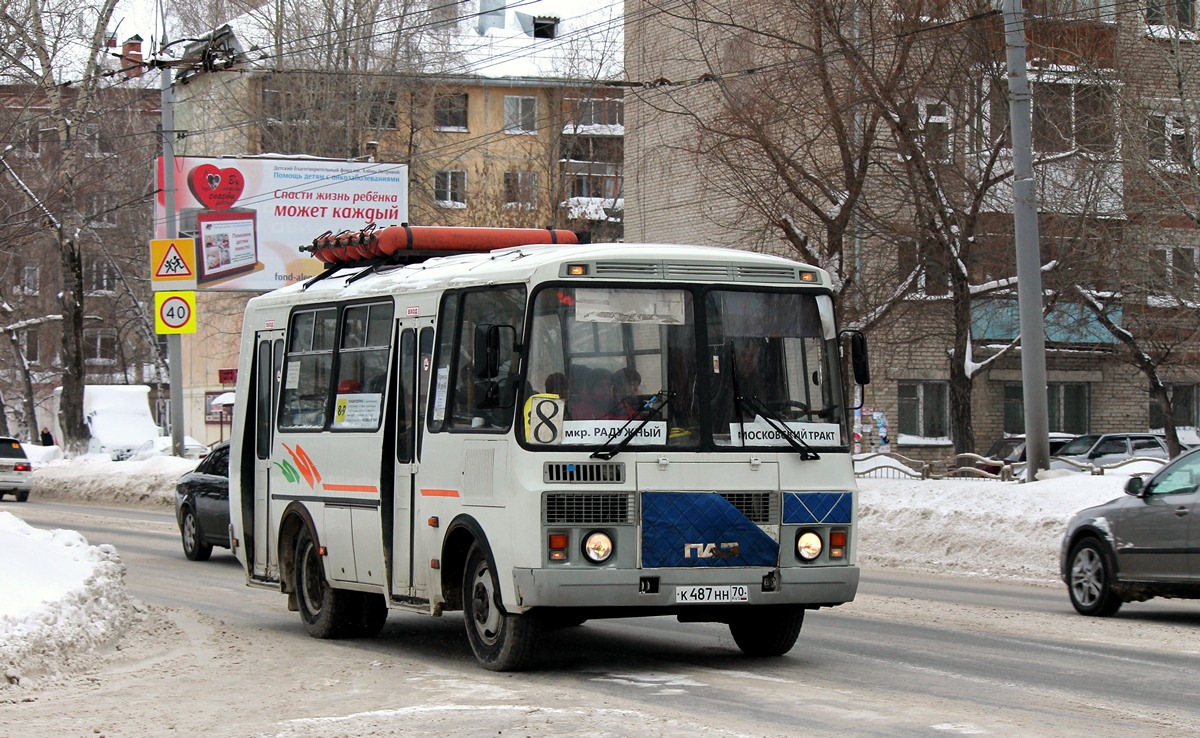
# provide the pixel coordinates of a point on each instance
(202, 505)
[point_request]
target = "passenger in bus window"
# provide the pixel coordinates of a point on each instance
(627, 384)
(556, 384)
(596, 398)
(349, 387)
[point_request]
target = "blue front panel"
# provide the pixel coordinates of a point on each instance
(833, 508)
(701, 529)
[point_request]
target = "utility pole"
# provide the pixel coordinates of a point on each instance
(1029, 259)
(174, 341)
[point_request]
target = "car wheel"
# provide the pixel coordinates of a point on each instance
(326, 612)
(22, 496)
(193, 547)
(767, 631)
(1090, 584)
(501, 642)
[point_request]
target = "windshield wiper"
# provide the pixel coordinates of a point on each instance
(756, 406)
(647, 412)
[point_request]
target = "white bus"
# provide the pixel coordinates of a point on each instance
(539, 435)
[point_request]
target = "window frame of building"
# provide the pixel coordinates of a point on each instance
(520, 114)
(29, 345)
(99, 278)
(450, 188)
(1179, 14)
(932, 116)
(450, 112)
(1185, 405)
(930, 273)
(1171, 140)
(923, 408)
(521, 189)
(382, 112)
(1059, 396)
(30, 279)
(596, 111)
(99, 347)
(1175, 267)
(102, 214)
(592, 179)
(1076, 129)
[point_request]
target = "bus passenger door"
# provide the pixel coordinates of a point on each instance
(405, 418)
(268, 364)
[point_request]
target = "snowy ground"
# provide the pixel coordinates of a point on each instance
(66, 600)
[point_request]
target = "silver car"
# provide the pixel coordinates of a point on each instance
(1138, 546)
(1099, 449)
(16, 473)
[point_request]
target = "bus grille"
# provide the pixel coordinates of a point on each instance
(582, 508)
(583, 472)
(758, 507)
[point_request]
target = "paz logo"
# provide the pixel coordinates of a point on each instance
(216, 189)
(304, 467)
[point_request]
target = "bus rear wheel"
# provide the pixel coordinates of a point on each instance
(501, 642)
(326, 612)
(768, 632)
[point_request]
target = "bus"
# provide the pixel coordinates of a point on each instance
(539, 432)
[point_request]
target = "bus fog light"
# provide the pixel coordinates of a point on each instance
(808, 545)
(598, 547)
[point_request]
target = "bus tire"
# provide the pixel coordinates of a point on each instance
(372, 614)
(768, 632)
(326, 612)
(501, 642)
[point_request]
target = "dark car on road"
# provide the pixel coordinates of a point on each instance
(1011, 450)
(16, 473)
(202, 505)
(1138, 546)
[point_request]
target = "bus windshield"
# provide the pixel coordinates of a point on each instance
(600, 356)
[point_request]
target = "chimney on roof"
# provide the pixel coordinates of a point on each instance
(111, 41)
(131, 56)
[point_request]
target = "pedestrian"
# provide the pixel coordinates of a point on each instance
(47, 439)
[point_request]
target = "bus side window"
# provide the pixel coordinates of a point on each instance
(308, 370)
(404, 396)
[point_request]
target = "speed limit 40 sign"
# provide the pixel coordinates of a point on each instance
(174, 312)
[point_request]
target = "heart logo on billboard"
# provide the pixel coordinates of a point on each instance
(216, 189)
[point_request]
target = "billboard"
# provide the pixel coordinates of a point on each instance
(248, 216)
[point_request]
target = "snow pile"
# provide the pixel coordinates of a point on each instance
(96, 478)
(63, 601)
(972, 527)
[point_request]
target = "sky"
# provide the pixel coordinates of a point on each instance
(67, 599)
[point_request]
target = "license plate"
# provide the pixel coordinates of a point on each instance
(727, 593)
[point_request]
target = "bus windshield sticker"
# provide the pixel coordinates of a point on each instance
(760, 433)
(594, 432)
(360, 410)
(439, 393)
(630, 306)
(293, 376)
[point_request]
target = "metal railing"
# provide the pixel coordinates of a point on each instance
(967, 466)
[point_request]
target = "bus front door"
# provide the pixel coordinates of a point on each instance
(415, 348)
(268, 364)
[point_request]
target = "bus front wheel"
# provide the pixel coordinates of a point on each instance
(325, 611)
(770, 632)
(501, 642)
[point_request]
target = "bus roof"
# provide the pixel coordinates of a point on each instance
(632, 262)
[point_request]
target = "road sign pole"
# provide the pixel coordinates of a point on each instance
(174, 341)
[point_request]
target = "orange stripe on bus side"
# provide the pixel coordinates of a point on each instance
(439, 493)
(349, 488)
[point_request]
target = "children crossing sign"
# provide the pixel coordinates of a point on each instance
(174, 312)
(173, 264)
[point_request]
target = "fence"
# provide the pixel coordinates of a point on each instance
(967, 466)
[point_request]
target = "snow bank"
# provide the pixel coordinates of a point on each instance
(63, 602)
(96, 478)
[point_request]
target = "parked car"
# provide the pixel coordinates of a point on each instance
(161, 446)
(1099, 449)
(1011, 450)
(16, 473)
(202, 505)
(1137, 546)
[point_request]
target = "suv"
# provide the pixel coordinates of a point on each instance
(16, 473)
(1011, 450)
(1099, 449)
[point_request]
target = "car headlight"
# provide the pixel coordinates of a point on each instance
(808, 545)
(597, 547)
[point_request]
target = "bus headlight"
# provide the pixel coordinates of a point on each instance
(597, 547)
(808, 545)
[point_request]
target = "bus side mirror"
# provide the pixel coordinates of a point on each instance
(858, 357)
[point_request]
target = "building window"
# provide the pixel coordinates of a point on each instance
(1073, 116)
(99, 348)
(520, 114)
(93, 142)
(381, 110)
(1068, 405)
(29, 280)
(520, 189)
(450, 188)
(1173, 269)
(932, 277)
(1177, 13)
(924, 409)
(1183, 407)
(98, 278)
(29, 344)
(933, 123)
(598, 111)
(593, 179)
(101, 212)
(450, 112)
(1169, 139)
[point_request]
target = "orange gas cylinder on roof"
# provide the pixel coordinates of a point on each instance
(371, 243)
